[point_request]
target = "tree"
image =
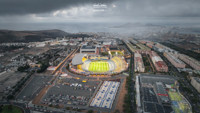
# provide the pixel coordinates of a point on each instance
(10, 107)
(10, 97)
(90, 111)
(23, 68)
(43, 67)
(117, 111)
(104, 53)
(67, 108)
(1, 107)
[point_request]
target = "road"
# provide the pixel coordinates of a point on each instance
(132, 85)
(60, 66)
(57, 71)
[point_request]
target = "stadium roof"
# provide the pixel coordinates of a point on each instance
(78, 59)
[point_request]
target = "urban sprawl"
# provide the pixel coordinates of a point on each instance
(100, 74)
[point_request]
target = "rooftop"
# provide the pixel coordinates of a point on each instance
(152, 79)
(153, 93)
(160, 88)
(153, 108)
(114, 48)
(175, 59)
(78, 59)
(197, 79)
(88, 47)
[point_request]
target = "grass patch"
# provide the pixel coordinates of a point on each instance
(10, 109)
(175, 96)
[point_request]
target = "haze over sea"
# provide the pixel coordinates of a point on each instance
(74, 27)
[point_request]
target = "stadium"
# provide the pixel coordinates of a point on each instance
(96, 65)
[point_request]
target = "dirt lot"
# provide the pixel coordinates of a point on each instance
(120, 102)
(36, 50)
(37, 99)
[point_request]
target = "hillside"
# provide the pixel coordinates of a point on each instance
(30, 36)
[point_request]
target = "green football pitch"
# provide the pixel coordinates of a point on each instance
(99, 66)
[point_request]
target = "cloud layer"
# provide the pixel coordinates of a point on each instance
(17, 7)
(83, 10)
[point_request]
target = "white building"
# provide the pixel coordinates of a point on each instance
(138, 62)
(195, 81)
(88, 49)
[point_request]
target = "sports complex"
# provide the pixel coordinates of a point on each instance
(97, 65)
(179, 103)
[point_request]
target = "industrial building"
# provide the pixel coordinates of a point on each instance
(150, 45)
(159, 94)
(138, 100)
(88, 49)
(190, 61)
(158, 62)
(138, 62)
(107, 43)
(161, 48)
(106, 95)
(147, 43)
(195, 81)
(152, 92)
(136, 46)
(174, 60)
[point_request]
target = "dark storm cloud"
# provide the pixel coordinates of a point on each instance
(159, 8)
(18, 7)
(123, 10)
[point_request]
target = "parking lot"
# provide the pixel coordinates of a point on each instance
(9, 80)
(33, 87)
(70, 92)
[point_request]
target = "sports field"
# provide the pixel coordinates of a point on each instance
(179, 104)
(99, 66)
(175, 96)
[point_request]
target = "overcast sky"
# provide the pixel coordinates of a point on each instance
(54, 11)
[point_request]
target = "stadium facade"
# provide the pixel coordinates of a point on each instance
(85, 63)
